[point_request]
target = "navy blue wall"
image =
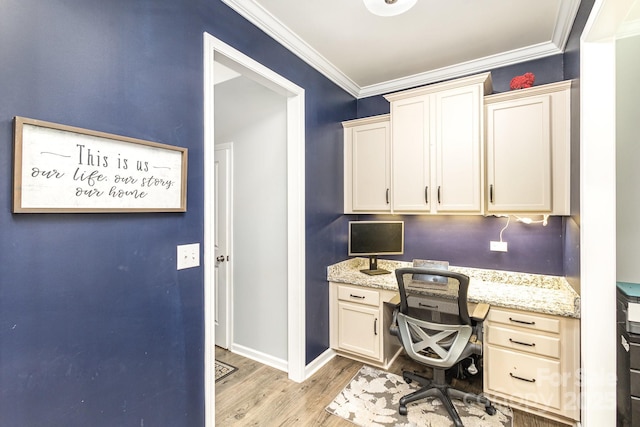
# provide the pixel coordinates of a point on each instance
(97, 327)
(464, 241)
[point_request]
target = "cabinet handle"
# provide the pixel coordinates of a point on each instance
(523, 343)
(426, 194)
(491, 193)
(387, 196)
(356, 296)
(432, 307)
(521, 321)
(438, 194)
(375, 326)
(522, 379)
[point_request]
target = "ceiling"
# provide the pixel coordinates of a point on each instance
(435, 40)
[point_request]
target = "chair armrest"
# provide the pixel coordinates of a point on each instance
(480, 312)
(395, 300)
(393, 327)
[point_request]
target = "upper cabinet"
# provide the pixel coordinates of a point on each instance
(528, 150)
(436, 146)
(367, 165)
(449, 148)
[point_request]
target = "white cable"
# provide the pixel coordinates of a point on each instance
(505, 227)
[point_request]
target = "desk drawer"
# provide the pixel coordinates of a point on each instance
(524, 341)
(442, 305)
(524, 320)
(359, 295)
(524, 377)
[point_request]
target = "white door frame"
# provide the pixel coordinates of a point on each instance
(215, 49)
(598, 210)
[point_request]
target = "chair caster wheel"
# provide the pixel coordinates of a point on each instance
(402, 410)
(491, 410)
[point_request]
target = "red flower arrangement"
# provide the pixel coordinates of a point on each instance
(523, 81)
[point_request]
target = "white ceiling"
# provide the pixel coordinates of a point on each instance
(435, 40)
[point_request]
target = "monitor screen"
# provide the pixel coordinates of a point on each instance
(376, 237)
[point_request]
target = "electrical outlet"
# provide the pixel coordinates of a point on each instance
(498, 246)
(188, 256)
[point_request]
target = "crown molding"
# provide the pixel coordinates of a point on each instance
(566, 17)
(261, 18)
(463, 69)
(629, 29)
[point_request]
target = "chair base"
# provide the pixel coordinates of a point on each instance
(439, 389)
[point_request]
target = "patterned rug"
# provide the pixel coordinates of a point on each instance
(223, 370)
(371, 400)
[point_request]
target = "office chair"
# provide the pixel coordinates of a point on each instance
(437, 332)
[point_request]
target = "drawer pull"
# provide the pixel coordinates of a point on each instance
(522, 379)
(356, 296)
(522, 343)
(524, 322)
(432, 307)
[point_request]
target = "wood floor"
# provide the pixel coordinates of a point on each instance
(258, 395)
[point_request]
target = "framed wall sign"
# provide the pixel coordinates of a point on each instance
(60, 168)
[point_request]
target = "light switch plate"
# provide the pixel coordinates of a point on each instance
(188, 256)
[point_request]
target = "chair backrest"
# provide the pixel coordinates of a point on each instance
(438, 344)
(456, 290)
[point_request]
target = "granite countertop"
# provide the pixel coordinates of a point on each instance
(522, 291)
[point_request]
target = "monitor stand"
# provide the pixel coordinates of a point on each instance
(373, 267)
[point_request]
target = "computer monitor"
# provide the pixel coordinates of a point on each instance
(373, 238)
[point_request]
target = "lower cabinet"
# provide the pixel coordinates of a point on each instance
(360, 318)
(532, 362)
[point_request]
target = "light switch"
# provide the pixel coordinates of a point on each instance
(188, 256)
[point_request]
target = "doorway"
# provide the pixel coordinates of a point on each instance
(608, 21)
(217, 51)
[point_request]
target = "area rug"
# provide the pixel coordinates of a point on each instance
(223, 370)
(371, 400)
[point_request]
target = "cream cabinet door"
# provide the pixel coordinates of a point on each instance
(519, 155)
(459, 179)
(411, 161)
(359, 329)
(367, 165)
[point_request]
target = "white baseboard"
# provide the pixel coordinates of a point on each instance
(281, 364)
(318, 363)
(258, 356)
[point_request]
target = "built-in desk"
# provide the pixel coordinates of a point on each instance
(531, 335)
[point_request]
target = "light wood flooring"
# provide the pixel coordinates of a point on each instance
(258, 395)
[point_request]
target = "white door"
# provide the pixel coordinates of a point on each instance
(222, 254)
